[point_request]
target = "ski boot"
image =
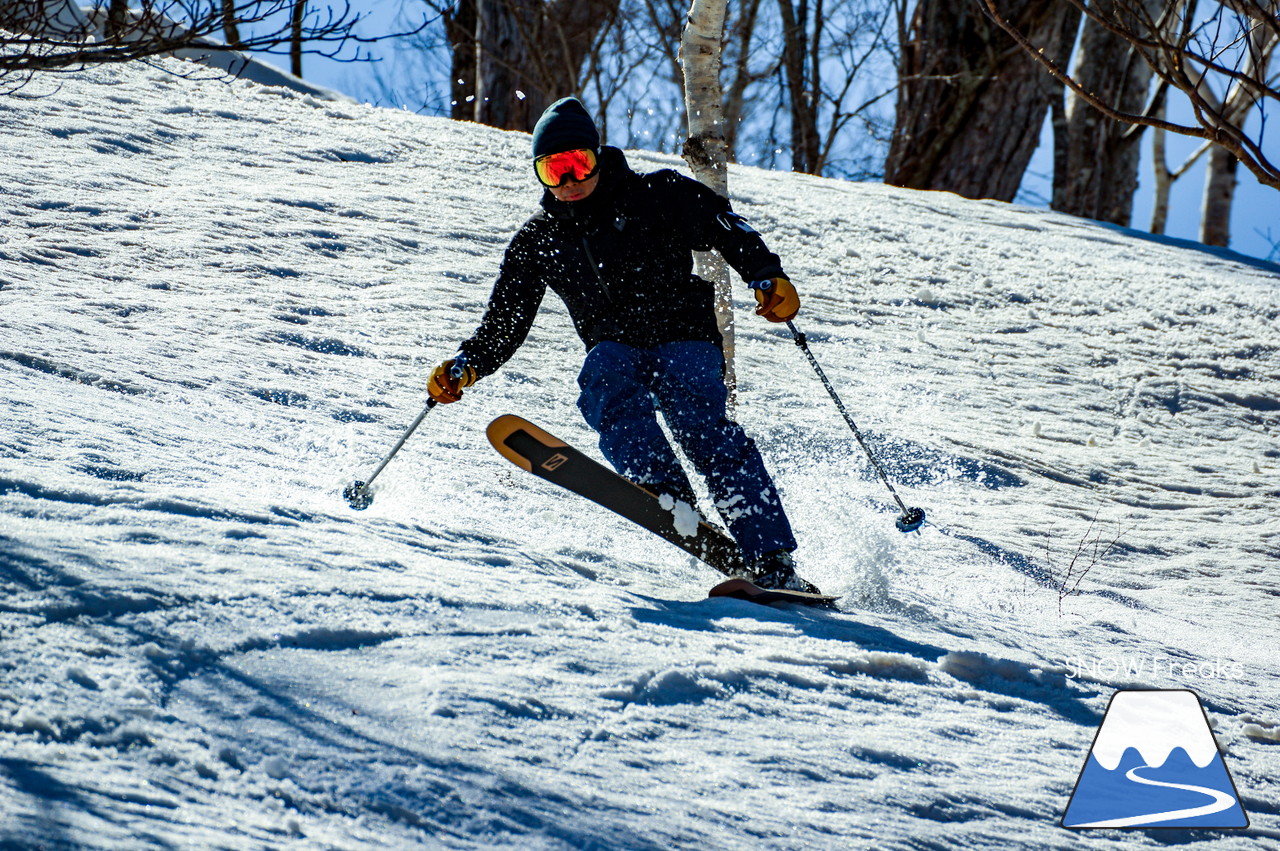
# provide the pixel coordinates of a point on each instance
(776, 571)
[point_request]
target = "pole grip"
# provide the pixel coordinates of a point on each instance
(459, 367)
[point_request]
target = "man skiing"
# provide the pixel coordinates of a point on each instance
(617, 247)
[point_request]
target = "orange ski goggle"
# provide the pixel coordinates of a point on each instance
(554, 169)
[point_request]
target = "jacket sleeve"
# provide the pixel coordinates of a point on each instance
(514, 303)
(709, 222)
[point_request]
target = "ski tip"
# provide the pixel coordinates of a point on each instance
(501, 430)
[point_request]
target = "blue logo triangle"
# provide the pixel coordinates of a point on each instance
(1155, 763)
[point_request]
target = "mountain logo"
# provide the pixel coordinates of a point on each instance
(1154, 763)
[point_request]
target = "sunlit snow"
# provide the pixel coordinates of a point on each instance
(219, 305)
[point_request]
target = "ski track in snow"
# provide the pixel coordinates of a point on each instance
(219, 305)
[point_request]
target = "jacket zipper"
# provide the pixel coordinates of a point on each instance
(591, 258)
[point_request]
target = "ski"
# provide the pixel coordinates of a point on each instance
(547, 457)
(742, 589)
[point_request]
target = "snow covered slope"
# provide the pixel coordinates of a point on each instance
(219, 304)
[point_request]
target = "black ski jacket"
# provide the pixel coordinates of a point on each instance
(621, 259)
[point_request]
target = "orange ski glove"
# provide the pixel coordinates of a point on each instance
(778, 299)
(445, 387)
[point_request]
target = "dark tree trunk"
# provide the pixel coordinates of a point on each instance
(295, 40)
(522, 55)
(505, 94)
(230, 25)
(971, 104)
(460, 29)
(802, 84)
(118, 18)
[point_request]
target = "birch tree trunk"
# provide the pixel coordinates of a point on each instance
(706, 150)
(1220, 179)
(1163, 180)
(1219, 193)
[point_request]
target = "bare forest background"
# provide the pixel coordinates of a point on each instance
(952, 95)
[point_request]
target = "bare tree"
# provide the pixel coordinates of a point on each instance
(970, 105)
(802, 70)
(623, 60)
(40, 36)
(825, 49)
(740, 32)
(296, 37)
(1221, 167)
(643, 76)
(230, 26)
(1220, 173)
(512, 58)
(1101, 155)
(1212, 59)
(841, 39)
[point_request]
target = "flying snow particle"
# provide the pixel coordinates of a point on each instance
(685, 515)
(275, 768)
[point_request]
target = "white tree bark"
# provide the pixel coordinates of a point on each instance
(1220, 175)
(706, 150)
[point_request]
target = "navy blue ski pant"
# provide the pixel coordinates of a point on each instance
(623, 388)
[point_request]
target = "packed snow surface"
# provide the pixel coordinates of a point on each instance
(219, 304)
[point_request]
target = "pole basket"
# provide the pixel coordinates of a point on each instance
(911, 520)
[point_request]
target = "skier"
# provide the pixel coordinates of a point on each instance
(617, 247)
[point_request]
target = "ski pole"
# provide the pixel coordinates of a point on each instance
(357, 493)
(911, 519)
